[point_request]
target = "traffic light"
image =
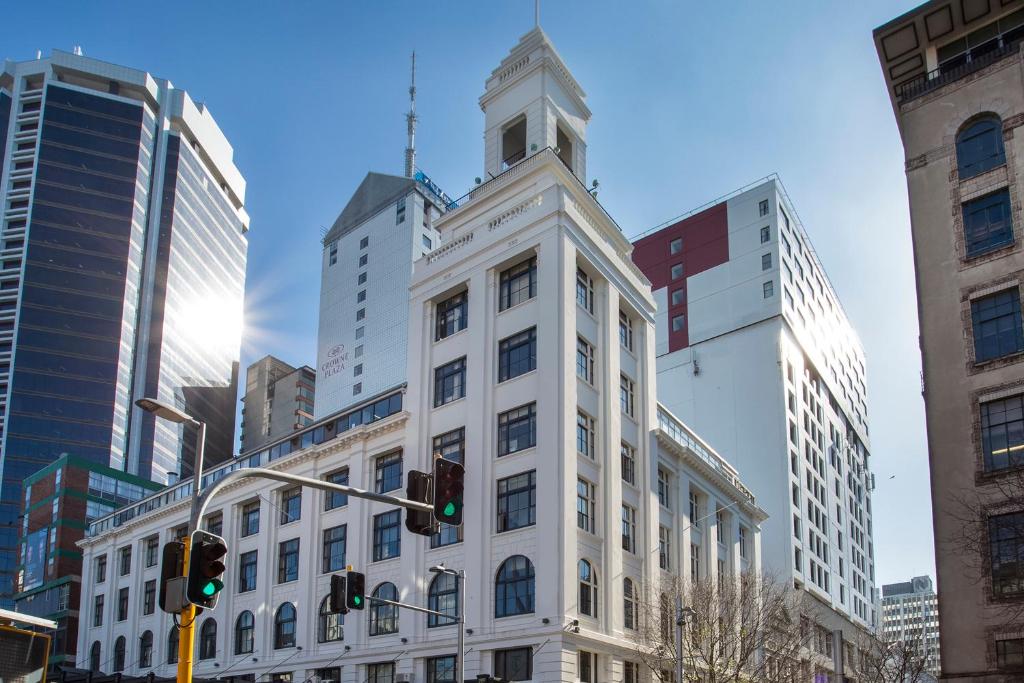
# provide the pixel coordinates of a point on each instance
(172, 564)
(418, 488)
(205, 569)
(448, 486)
(337, 601)
(355, 590)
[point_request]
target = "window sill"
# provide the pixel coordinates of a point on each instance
(515, 306)
(979, 174)
(987, 253)
(1008, 358)
(438, 340)
(507, 380)
(588, 313)
(449, 403)
(386, 559)
(519, 452)
(518, 528)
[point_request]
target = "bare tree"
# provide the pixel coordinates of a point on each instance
(890, 661)
(747, 628)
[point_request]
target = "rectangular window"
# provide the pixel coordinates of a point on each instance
(1006, 538)
(336, 499)
(517, 429)
(586, 665)
(1010, 654)
(584, 360)
(584, 290)
(515, 664)
(988, 223)
(214, 524)
(451, 315)
(517, 501)
(517, 284)
(361, 296)
(721, 530)
(441, 669)
(628, 529)
(996, 321)
(446, 534)
(585, 435)
(450, 445)
(361, 279)
(364, 243)
(247, 569)
(387, 535)
(630, 672)
(153, 551)
(361, 314)
(694, 508)
(97, 610)
(769, 289)
(334, 549)
(149, 597)
(743, 542)
(628, 463)
(450, 382)
(766, 261)
(676, 245)
(357, 388)
(664, 491)
(122, 604)
(400, 211)
(678, 296)
(678, 323)
(517, 354)
(427, 244)
(677, 271)
(288, 561)
(332, 251)
(380, 673)
(1002, 433)
(664, 548)
(101, 569)
(762, 208)
(363, 260)
(626, 395)
(388, 472)
(694, 562)
(625, 331)
(586, 506)
(291, 505)
(766, 234)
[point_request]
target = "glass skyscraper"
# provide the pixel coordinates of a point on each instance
(122, 269)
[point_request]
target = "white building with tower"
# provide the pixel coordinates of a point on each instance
(529, 338)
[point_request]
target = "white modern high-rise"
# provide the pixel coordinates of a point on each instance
(756, 353)
(910, 614)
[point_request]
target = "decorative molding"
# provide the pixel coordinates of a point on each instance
(513, 69)
(449, 247)
(515, 212)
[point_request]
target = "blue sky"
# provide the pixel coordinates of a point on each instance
(690, 101)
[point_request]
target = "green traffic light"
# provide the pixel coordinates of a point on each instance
(358, 599)
(449, 509)
(210, 588)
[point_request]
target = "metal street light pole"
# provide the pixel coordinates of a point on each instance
(681, 615)
(460, 585)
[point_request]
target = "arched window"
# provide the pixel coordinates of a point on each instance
(172, 645)
(384, 618)
(588, 589)
(146, 650)
(245, 630)
(119, 646)
(284, 626)
(629, 597)
(329, 629)
(514, 587)
(94, 657)
(979, 146)
(443, 596)
(208, 639)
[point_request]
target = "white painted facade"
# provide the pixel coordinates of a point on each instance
(745, 383)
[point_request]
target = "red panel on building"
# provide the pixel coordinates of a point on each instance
(705, 244)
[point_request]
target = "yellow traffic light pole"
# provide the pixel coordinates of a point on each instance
(186, 628)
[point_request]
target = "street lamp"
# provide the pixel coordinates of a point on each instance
(682, 614)
(460, 584)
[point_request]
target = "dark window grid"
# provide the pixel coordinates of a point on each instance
(335, 499)
(987, 223)
(1010, 654)
(517, 501)
(284, 626)
(450, 382)
(335, 540)
(584, 291)
(245, 631)
(443, 596)
(585, 435)
(518, 284)
(515, 664)
(247, 570)
(997, 326)
(517, 354)
(388, 472)
(387, 535)
(149, 597)
(291, 505)
(584, 360)
(517, 429)
(441, 669)
(251, 519)
(586, 506)
(979, 148)
(383, 617)
(450, 445)
(588, 589)
(288, 561)
(1006, 538)
(329, 624)
(446, 535)
(452, 316)
(1002, 433)
(514, 588)
(628, 465)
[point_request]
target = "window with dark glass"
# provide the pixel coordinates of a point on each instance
(584, 290)
(588, 589)
(515, 664)
(517, 429)
(387, 535)
(630, 606)
(1006, 538)
(94, 657)
(247, 568)
(288, 561)
(388, 472)
(172, 645)
(628, 463)
(585, 434)
(245, 632)
(514, 587)
(676, 245)
(380, 673)
(517, 354)
(450, 382)
(122, 604)
(762, 208)
(517, 284)
(766, 234)
(997, 327)
(1010, 654)
(443, 596)
(97, 610)
(626, 395)
(284, 626)
(450, 445)
(451, 315)
(987, 223)
(152, 551)
(586, 506)
(584, 360)
(119, 653)
(334, 549)
(1002, 433)
(628, 528)
(101, 569)
(215, 524)
(208, 639)
(126, 560)
(291, 505)
(517, 501)
(979, 147)
(441, 669)
(149, 597)
(336, 499)
(625, 331)
(383, 617)
(329, 628)
(587, 663)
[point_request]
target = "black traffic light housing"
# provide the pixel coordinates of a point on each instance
(448, 487)
(420, 489)
(205, 569)
(355, 590)
(172, 566)
(337, 601)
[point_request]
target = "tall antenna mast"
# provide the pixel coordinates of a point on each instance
(410, 119)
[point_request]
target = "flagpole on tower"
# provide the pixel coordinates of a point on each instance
(536, 13)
